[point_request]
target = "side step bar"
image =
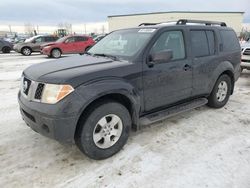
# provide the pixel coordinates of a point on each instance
(169, 112)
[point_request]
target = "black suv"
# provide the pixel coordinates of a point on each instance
(130, 78)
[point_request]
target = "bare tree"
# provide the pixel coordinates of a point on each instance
(28, 29)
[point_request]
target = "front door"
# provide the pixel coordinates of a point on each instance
(69, 45)
(169, 82)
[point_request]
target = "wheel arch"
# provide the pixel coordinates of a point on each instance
(224, 67)
(120, 96)
(57, 49)
(26, 47)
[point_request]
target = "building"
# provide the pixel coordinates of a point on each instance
(232, 19)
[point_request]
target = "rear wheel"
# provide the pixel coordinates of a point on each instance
(56, 53)
(26, 51)
(221, 92)
(6, 49)
(105, 131)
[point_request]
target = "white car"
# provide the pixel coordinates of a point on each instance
(245, 57)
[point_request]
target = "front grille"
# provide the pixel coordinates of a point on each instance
(247, 51)
(245, 60)
(39, 91)
(32, 90)
(26, 85)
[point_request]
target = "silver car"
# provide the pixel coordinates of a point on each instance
(33, 44)
(245, 57)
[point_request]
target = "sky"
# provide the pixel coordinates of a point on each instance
(51, 12)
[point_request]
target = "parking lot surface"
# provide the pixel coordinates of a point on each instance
(200, 148)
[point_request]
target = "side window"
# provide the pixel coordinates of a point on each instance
(69, 40)
(39, 39)
(50, 39)
(230, 41)
(199, 43)
(81, 39)
(170, 40)
(211, 42)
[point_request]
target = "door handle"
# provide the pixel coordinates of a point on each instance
(187, 67)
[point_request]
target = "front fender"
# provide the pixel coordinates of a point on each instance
(92, 91)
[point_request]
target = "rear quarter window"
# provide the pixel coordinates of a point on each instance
(229, 40)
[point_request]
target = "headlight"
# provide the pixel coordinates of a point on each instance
(53, 93)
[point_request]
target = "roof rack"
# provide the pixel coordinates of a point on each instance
(184, 22)
(146, 24)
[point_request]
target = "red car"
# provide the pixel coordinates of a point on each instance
(68, 45)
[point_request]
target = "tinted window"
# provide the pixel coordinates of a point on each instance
(170, 40)
(211, 42)
(199, 43)
(70, 39)
(50, 39)
(230, 41)
(80, 39)
(39, 39)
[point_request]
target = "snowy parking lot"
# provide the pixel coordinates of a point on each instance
(200, 148)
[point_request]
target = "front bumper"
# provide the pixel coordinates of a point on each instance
(245, 61)
(45, 51)
(17, 48)
(38, 117)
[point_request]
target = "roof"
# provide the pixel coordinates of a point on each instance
(169, 12)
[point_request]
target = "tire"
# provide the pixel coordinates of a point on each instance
(97, 137)
(26, 51)
(6, 49)
(221, 92)
(56, 53)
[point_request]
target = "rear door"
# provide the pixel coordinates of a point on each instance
(205, 59)
(81, 43)
(169, 82)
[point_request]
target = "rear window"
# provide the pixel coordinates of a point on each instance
(230, 41)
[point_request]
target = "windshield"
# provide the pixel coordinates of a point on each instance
(123, 44)
(31, 39)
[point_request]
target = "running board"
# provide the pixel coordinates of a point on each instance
(161, 115)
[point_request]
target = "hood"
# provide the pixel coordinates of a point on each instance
(48, 44)
(75, 70)
(245, 45)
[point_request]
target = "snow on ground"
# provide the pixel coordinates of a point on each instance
(200, 148)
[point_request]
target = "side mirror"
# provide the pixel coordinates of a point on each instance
(34, 41)
(161, 57)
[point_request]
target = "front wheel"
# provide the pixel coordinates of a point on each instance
(105, 131)
(221, 92)
(26, 51)
(56, 53)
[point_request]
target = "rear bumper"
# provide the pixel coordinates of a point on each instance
(60, 127)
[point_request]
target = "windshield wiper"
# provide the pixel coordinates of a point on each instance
(107, 55)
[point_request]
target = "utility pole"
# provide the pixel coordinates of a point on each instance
(85, 30)
(10, 29)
